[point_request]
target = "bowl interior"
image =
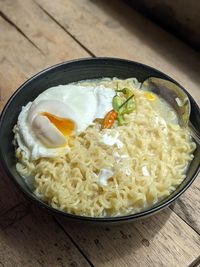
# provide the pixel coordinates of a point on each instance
(75, 71)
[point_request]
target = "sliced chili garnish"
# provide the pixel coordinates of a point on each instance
(109, 119)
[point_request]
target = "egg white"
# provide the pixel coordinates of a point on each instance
(80, 104)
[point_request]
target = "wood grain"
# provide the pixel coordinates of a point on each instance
(8, 85)
(9, 195)
(15, 214)
(160, 240)
(36, 240)
(49, 37)
(19, 60)
(18, 56)
(188, 206)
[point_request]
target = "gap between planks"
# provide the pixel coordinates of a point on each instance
(36, 240)
(54, 20)
(72, 240)
(20, 31)
(67, 31)
(23, 209)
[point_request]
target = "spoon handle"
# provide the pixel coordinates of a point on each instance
(195, 134)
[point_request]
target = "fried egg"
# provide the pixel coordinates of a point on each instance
(45, 125)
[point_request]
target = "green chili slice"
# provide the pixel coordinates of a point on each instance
(116, 102)
(125, 102)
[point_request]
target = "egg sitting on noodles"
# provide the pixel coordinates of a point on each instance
(44, 125)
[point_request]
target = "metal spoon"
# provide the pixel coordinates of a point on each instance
(176, 97)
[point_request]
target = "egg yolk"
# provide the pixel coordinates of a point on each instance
(65, 126)
(150, 96)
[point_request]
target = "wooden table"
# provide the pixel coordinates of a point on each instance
(37, 33)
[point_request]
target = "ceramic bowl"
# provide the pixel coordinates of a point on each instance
(73, 71)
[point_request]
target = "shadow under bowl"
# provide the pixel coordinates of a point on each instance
(73, 71)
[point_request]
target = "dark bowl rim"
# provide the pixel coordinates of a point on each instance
(41, 204)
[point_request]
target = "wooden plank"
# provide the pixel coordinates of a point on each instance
(160, 240)
(53, 41)
(119, 31)
(9, 195)
(14, 214)
(188, 206)
(19, 59)
(10, 79)
(17, 51)
(36, 240)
